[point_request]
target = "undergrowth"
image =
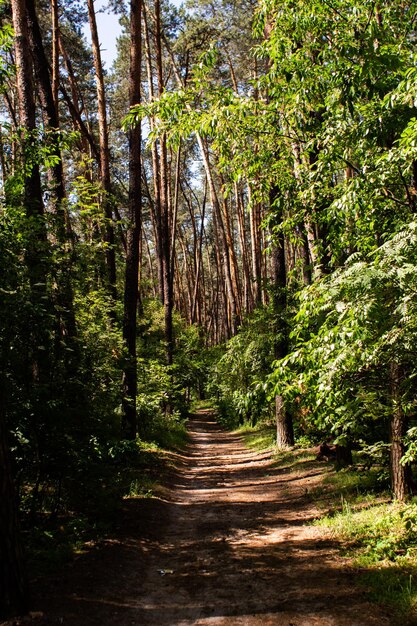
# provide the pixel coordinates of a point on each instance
(259, 437)
(262, 437)
(124, 470)
(378, 535)
(381, 538)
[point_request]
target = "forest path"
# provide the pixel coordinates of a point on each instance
(231, 547)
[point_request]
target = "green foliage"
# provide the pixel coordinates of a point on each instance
(236, 381)
(332, 132)
(349, 327)
(381, 540)
(259, 437)
(165, 392)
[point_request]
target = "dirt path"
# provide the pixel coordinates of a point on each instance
(230, 547)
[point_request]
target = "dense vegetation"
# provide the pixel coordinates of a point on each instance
(228, 212)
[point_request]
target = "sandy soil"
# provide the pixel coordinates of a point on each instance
(229, 546)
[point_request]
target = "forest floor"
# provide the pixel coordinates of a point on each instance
(229, 543)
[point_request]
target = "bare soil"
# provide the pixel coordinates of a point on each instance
(229, 545)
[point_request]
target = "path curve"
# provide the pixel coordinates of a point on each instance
(231, 547)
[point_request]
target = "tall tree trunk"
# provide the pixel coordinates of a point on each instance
(129, 424)
(63, 232)
(14, 589)
(231, 296)
(230, 247)
(165, 204)
(27, 115)
(247, 287)
(55, 52)
(255, 249)
(198, 245)
(156, 205)
(88, 145)
(285, 430)
(400, 474)
(104, 153)
(37, 249)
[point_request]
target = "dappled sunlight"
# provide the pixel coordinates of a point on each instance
(232, 544)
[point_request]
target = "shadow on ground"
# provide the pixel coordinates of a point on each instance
(231, 546)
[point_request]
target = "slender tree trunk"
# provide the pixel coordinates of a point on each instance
(87, 142)
(104, 153)
(165, 204)
(3, 162)
(255, 250)
(199, 258)
(55, 52)
(129, 424)
(231, 296)
(247, 287)
(230, 248)
(63, 231)
(400, 474)
(285, 430)
(156, 205)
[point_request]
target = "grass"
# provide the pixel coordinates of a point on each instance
(352, 484)
(260, 437)
(201, 405)
(394, 586)
(379, 536)
(168, 433)
(130, 469)
(142, 487)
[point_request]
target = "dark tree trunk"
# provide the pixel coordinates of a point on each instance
(14, 591)
(343, 455)
(37, 249)
(27, 115)
(285, 430)
(166, 235)
(129, 424)
(64, 297)
(400, 474)
(44, 86)
(104, 153)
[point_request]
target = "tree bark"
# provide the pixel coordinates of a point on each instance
(63, 233)
(231, 296)
(284, 424)
(285, 432)
(104, 153)
(55, 52)
(129, 423)
(248, 301)
(37, 248)
(167, 269)
(400, 474)
(255, 250)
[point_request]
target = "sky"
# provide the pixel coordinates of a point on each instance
(109, 30)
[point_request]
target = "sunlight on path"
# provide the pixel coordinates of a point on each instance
(230, 547)
(238, 547)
